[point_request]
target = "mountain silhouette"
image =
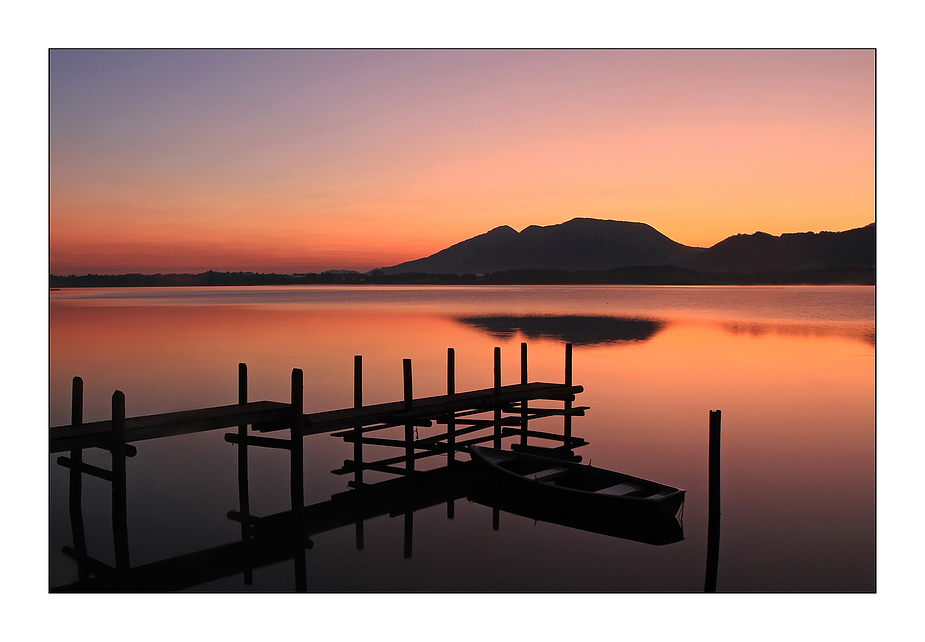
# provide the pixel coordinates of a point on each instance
(586, 244)
(801, 251)
(578, 244)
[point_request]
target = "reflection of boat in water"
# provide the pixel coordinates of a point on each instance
(592, 493)
(613, 523)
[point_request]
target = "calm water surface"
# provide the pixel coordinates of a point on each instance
(791, 368)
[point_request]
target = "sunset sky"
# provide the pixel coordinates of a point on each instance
(309, 160)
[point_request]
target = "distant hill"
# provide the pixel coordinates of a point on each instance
(578, 244)
(802, 251)
(581, 251)
(585, 244)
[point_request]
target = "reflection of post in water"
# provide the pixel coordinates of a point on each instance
(243, 494)
(295, 525)
(714, 510)
(409, 534)
(75, 489)
(358, 439)
(116, 476)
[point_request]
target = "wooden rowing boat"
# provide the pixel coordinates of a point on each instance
(582, 488)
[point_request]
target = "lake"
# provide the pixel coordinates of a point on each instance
(791, 368)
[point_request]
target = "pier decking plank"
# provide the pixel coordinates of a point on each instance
(395, 414)
(268, 416)
(97, 434)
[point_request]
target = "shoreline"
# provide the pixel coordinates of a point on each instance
(644, 275)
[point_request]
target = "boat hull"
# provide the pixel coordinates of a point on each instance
(543, 482)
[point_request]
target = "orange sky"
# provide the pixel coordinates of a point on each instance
(308, 160)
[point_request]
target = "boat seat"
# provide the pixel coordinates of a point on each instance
(623, 488)
(547, 474)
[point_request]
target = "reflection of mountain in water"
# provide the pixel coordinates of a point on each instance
(574, 329)
(864, 333)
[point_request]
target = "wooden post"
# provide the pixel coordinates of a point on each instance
(409, 428)
(497, 440)
(242, 448)
(77, 401)
(295, 480)
(119, 495)
(523, 406)
(567, 424)
(568, 364)
(295, 446)
(243, 491)
(358, 432)
(358, 441)
(451, 420)
(713, 523)
(495, 519)
(75, 485)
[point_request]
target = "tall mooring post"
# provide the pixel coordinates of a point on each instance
(713, 524)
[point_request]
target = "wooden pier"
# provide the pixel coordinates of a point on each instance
(464, 415)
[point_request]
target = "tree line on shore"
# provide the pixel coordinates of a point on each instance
(641, 275)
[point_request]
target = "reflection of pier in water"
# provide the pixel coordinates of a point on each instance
(278, 537)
